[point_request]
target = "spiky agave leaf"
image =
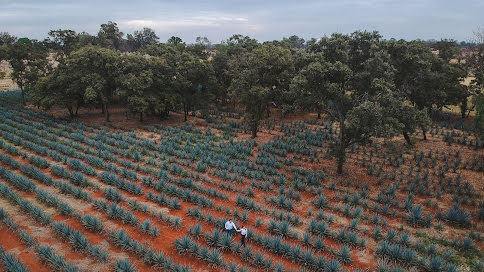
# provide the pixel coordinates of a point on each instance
(183, 245)
(215, 258)
(11, 263)
(78, 241)
(125, 266)
(92, 223)
(98, 252)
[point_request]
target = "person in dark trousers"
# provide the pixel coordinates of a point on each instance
(229, 226)
(243, 234)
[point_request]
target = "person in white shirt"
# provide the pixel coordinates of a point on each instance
(243, 234)
(229, 226)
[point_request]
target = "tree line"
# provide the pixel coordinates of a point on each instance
(369, 86)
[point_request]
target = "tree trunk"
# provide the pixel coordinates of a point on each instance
(71, 113)
(424, 133)
(341, 161)
(185, 111)
(407, 138)
(254, 129)
(106, 112)
(341, 148)
(23, 96)
(463, 108)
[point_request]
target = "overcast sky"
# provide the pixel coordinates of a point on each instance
(260, 19)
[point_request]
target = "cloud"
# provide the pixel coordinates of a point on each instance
(185, 22)
(263, 20)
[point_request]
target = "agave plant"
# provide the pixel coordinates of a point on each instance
(78, 241)
(215, 258)
(225, 243)
(78, 179)
(344, 254)
(332, 266)
(183, 245)
(91, 223)
(195, 231)
(213, 239)
(11, 263)
(435, 264)
(125, 265)
(98, 252)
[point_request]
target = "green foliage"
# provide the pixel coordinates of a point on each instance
(479, 118)
(28, 59)
(257, 78)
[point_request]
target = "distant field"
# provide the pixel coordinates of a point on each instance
(5, 82)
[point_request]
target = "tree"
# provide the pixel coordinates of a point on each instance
(230, 51)
(175, 40)
(193, 79)
(86, 39)
(295, 41)
(96, 71)
(6, 38)
(409, 117)
(109, 35)
(475, 61)
(62, 87)
(200, 48)
(145, 37)
(28, 59)
(258, 78)
(63, 42)
(350, 79)
(447, 48)
(422, 78)
(135, 81)
(190, 79)
(478, 101)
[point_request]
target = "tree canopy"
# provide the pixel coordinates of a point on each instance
(369, 87)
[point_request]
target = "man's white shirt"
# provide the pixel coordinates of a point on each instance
(229, 225)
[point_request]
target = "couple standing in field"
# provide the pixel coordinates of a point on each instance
(230, 226)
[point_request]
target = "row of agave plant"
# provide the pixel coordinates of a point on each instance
(111, 194)
(45, 252)
(78, 240)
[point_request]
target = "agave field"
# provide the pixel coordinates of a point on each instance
(79, 197)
